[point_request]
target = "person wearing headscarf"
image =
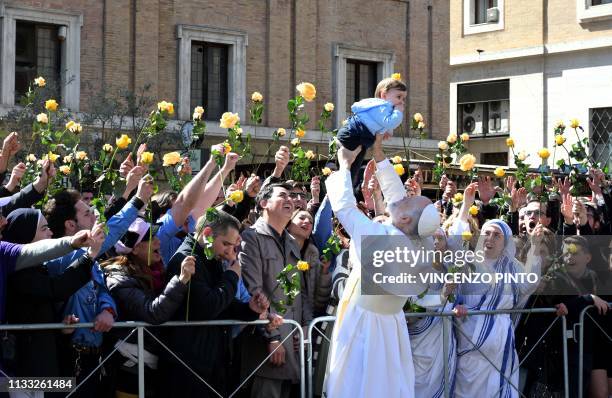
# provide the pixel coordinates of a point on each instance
(32, 293)
(492, 335)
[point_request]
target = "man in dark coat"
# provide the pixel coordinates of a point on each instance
(212, 296)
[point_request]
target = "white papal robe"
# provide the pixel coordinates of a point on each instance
(370, 351)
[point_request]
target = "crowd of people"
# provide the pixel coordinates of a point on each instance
(162, 257)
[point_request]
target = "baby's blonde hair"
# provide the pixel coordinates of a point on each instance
(389, 84)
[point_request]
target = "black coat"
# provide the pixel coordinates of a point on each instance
(31, 295)
(206, 349)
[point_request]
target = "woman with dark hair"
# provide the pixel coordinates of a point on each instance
(318, 283)
(32, 293)
(130, 281)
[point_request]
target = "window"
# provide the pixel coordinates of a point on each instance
(494, 158)
(209, 78)
(360, 81)
(211, 71)
(601, 130)
(357, 71)
(481, 16)
(480, 10)
(484, 108)
(40, 42)
(593, 10)
(37, 53)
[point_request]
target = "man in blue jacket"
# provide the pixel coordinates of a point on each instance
(66, 215)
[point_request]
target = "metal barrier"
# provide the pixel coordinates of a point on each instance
(446, 315)
(580, 327)
(141, 327)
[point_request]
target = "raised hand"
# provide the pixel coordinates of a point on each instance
(231, 159)
(46, 176)
(315, 188)
(518, 198)
(80, 239)
(96, 239)
(486, 190)
(11, 145)
(469, 195)
(567, 206)
(126, 165)
(16, 176)
(141, 149)
(145, 188)
(259, 303)
(281, 158)
(187, 269)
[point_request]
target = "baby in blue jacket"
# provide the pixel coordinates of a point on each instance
(371, 116)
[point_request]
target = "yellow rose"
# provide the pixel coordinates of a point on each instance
(52, 156)
(559, 139)
(171, 159)
(107, 148)
(399, 169)
(198, 109)
(572, 248)
(70, 125)
(226, 148)
(281, 132)
(574, 123)
(303, 266)
(67, 159)
(42, 118)
(123, 141)
(465, 137)
(307, 91)
(510, 142)
(396, 76)
(309, 155)
(146, 157)
(256, 97)
(229, 120)
(300, 133)
(236, 196)
(442, 145)
(51, 105)
(326, 171)
(544, 153)
(417, 117)
(560, 125)
(452, 138)
(499, 172)
(473, 210)
(466, 236)
(458, 197)
(31, 158)
(167, 107)
(396, 159)
(74, 127)
(329, 107)
(64, 169)
(467, 161)
(40, 81)
(421, 125)
(522, 155)
(239, 131)
(295, 141)
(81, 155)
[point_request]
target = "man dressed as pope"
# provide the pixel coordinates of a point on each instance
(370, 351)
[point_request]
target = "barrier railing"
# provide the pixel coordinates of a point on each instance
(580, 327)
(141, 327)
(445, 333)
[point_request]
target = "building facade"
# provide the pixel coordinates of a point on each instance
(216, 53)
(518, 67)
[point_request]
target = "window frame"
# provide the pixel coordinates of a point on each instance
(237, 41)
(358, 64)
(70, 75)
(587, 12)
(385, 60)
(469, 25)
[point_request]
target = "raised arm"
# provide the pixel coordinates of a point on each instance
(191, 196)
(211, 191)
(389, 181)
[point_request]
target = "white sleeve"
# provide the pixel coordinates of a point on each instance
(390, 183)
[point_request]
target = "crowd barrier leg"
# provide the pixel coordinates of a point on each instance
(445, 342)
(310, 359)
(581, 345)
(565, 359)
(141, 364)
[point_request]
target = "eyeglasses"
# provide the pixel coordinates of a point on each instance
(530, 213)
